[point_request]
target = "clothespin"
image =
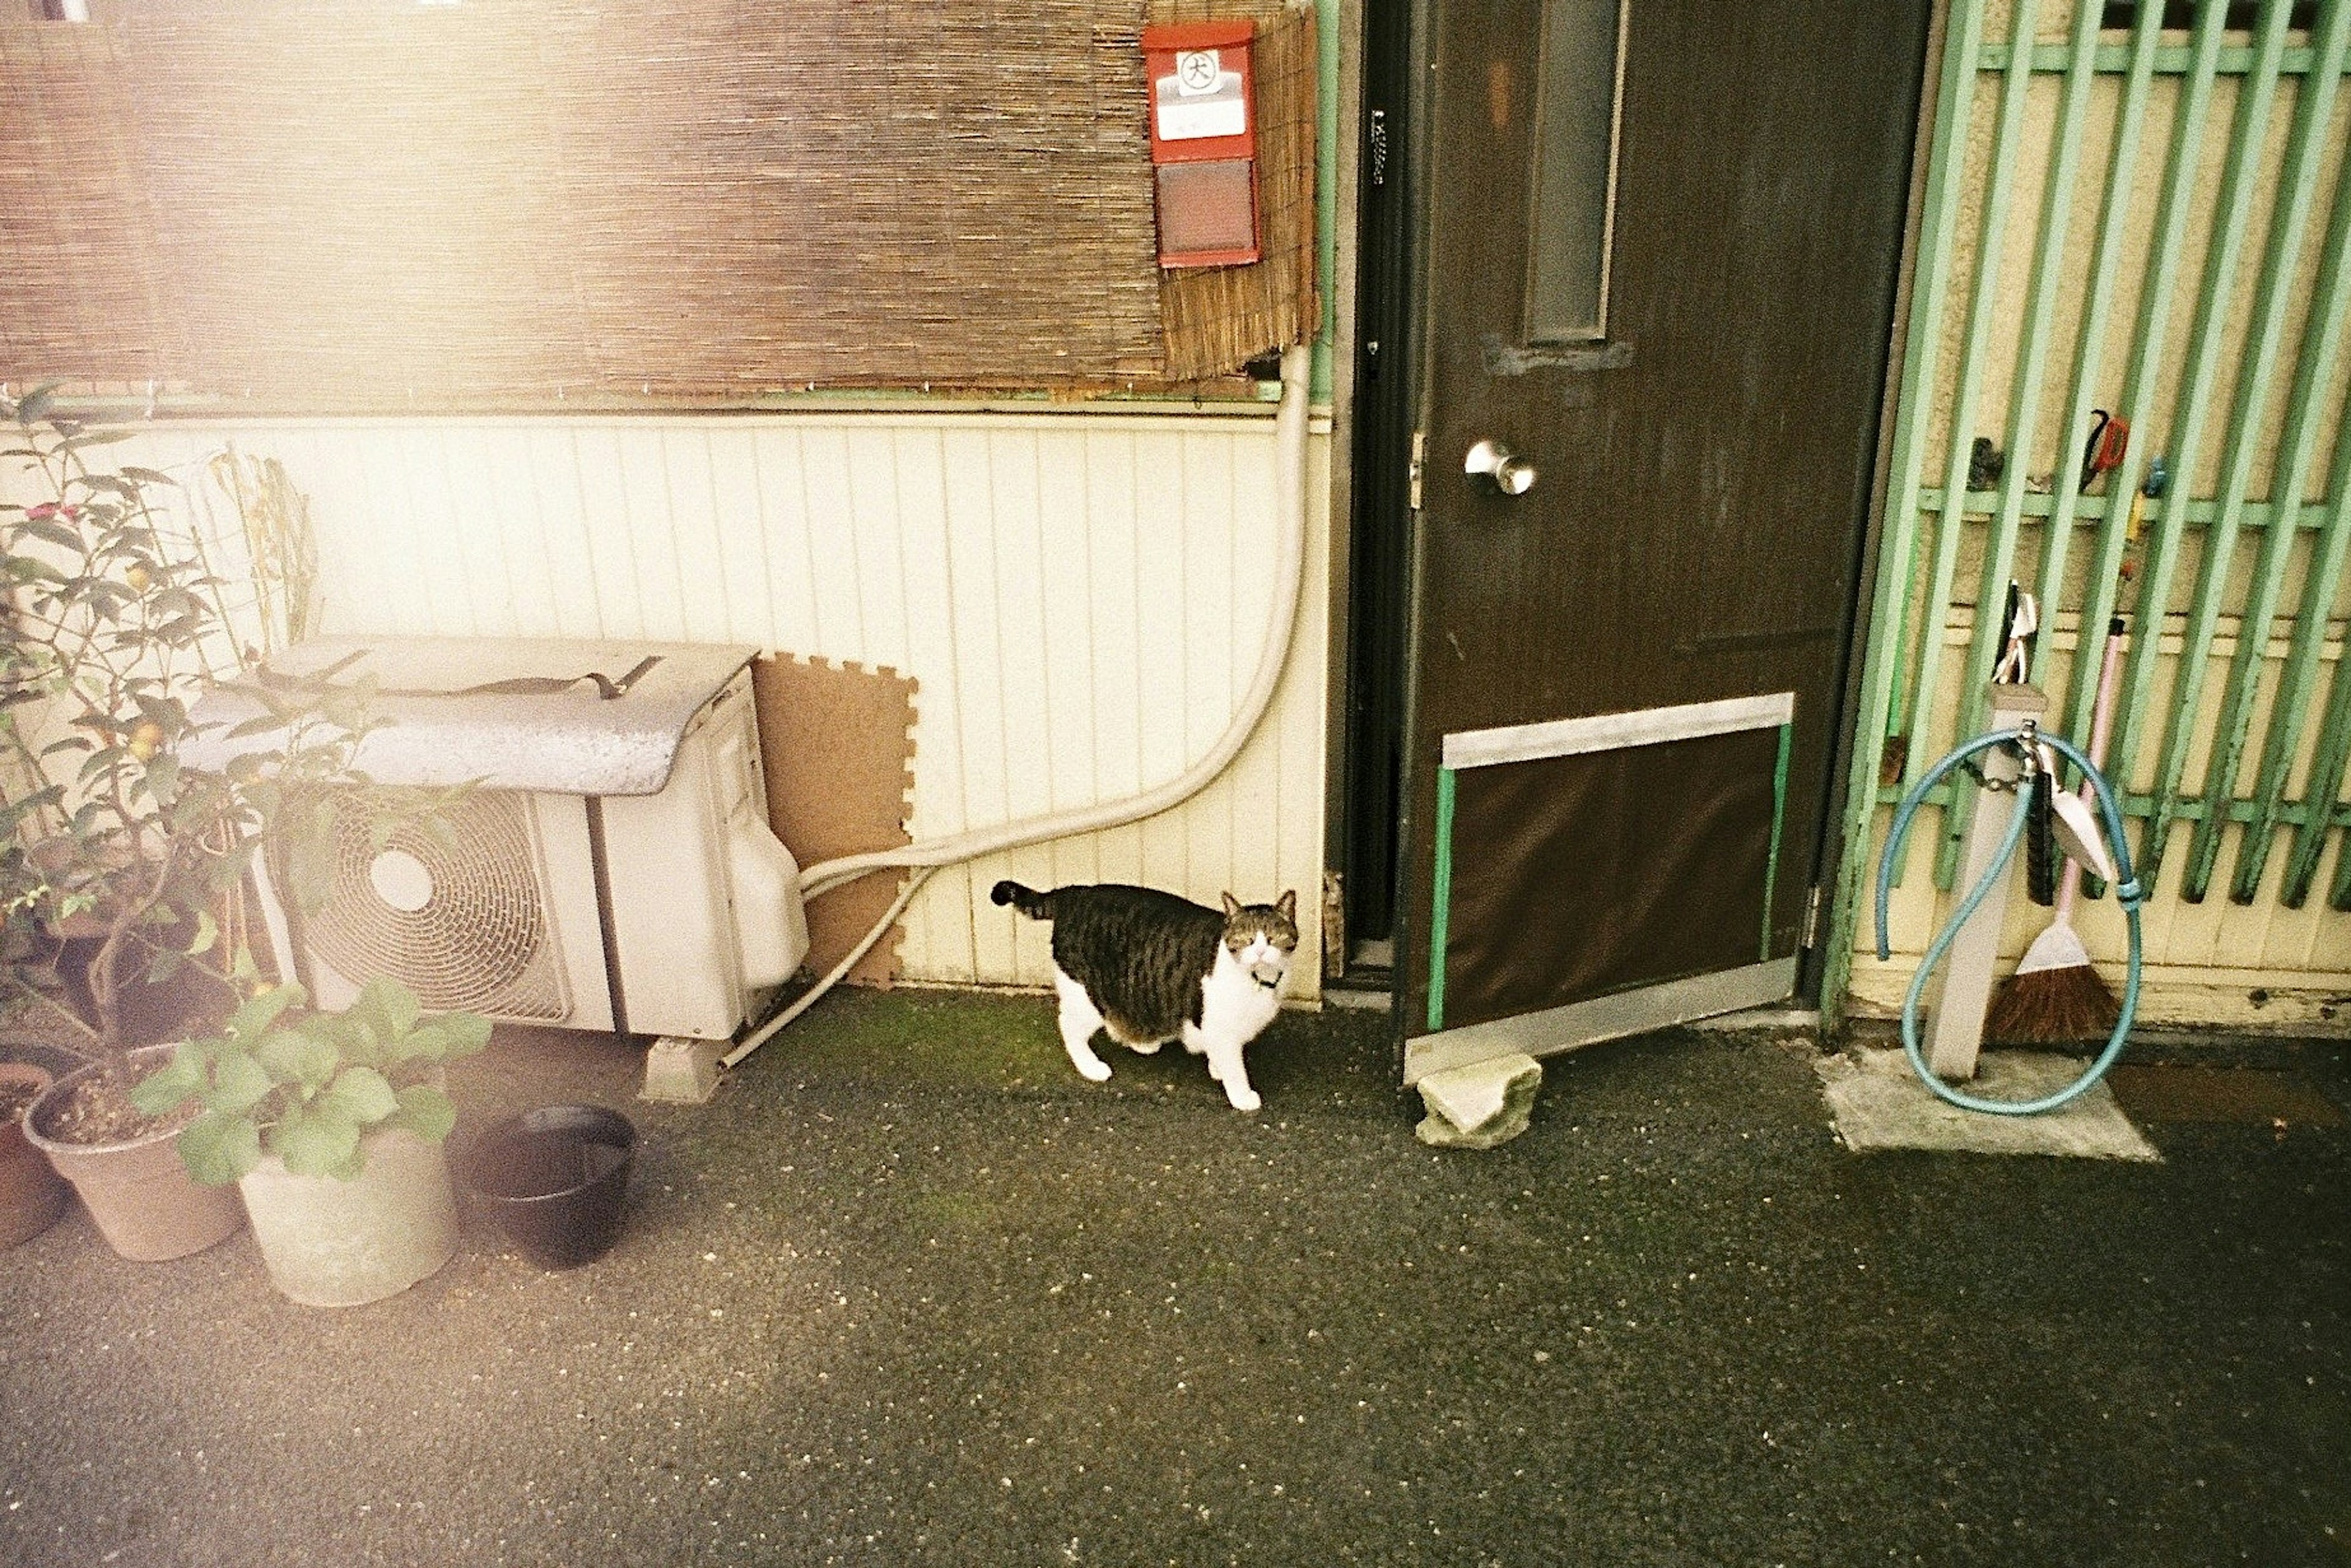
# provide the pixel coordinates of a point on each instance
(2023, 622)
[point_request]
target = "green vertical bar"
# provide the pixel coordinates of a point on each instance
(2323, 576)
(1881, 713)
(2147, 376)
(1981, 308)
(2246, 430)
(2098, 600)
(1778, 813)
(2314, 372)
(2341, 897)
(2024, 404)
(1326, 193)
(1440, 904)
(2325, 779)
(2197, 397)
(1922, 349)
(2318, 795)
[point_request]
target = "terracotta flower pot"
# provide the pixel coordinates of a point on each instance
(146, 1205)
(31, 1195)
(330, 1243)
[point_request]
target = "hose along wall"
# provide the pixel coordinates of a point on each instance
(925, 859)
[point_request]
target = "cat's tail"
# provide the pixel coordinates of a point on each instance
(1027, 900)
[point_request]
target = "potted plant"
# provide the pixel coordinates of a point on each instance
(31, 1194)
(123, 864)
(330, 1124)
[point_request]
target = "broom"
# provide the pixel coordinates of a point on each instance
(2054, 996)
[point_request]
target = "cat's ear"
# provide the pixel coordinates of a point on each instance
(1288, 904)
(1232, 906)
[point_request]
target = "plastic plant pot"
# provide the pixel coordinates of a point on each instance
(32, 1194)
(146, 1205)
(556, 1178)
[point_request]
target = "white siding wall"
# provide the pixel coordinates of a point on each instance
(1080, 596)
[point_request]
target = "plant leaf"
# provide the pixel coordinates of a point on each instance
(173, 1084)
(468, 1033)
(217, 1148)
(315, 1142)
(259, 1014)
(362, 1093)
(425, 1112)
(389, 1006)
(239, 1083)
(49, 530)
(293, 1056)
(309, 843)
(163, 778)
(448, 1038)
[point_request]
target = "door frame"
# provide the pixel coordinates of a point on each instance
(1388, 397)
(1385, 517)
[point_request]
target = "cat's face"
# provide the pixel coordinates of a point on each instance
(1261, 937)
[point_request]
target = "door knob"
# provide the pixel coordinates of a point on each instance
(1511, 475)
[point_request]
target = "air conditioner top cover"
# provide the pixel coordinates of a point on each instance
(571, 718)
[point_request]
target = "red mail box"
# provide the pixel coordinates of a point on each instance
(1203, 142)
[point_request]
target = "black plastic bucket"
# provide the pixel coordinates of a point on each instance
(556, 1178)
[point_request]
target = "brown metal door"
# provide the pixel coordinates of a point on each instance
(1625, 675)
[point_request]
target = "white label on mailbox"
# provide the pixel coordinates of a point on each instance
(1201, 100)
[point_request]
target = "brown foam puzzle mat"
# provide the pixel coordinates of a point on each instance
(836, 743)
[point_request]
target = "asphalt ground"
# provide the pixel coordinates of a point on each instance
(909, 1292)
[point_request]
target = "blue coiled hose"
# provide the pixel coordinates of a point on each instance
(2129, 896)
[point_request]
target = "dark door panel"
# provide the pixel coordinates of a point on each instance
(1702, 470)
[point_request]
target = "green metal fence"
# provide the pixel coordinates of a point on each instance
(2204, 304)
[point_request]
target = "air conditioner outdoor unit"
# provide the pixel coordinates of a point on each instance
(612, 869)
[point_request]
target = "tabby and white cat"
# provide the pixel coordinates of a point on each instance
(1152, 967)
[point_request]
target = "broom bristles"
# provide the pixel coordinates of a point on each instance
(2059, 1006)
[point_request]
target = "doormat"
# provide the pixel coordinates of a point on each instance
(837, 744)
(1880, 1103)
(2164, 1092)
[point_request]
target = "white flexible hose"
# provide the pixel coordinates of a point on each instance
(1289, 480)
(1289, 499)
(808, 998)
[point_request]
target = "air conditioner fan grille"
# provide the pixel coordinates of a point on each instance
(473, 935)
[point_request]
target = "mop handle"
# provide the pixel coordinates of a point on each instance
(2102, 727)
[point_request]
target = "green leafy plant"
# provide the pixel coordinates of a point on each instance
(307, 1085)
(125, 845)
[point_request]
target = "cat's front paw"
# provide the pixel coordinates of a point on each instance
(1093, 1071)
(1243, 1099)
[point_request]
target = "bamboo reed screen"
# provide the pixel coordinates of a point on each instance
(342, 203)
